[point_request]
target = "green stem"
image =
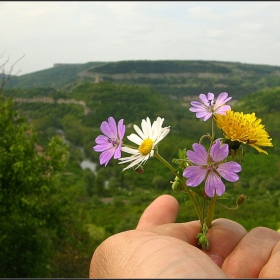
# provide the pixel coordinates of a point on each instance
(213, 130)
(194, 200)
(225, 207)
(210, 213)
(211, 207)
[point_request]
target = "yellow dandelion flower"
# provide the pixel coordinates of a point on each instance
(243, 128)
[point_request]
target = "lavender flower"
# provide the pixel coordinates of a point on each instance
(111, 142)
(211, 167)
(210, 106)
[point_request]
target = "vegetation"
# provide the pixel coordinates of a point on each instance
(29, 196)
(177, 78)
(54, 214)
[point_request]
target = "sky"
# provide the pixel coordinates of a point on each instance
(40, 34)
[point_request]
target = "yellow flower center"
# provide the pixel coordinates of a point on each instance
(146, 146)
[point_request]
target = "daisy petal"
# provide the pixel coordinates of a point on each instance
(135, 139)
(139, 131)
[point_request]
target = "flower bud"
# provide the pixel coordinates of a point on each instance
(203, 241)
(175, 184)
(241, 199)
(139, 169)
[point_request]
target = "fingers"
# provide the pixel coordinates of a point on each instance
(272, 268)
(257, 254)
(223, 237)
(162, 210)
(186, 232)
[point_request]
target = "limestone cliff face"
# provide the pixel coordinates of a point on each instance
(51, 100)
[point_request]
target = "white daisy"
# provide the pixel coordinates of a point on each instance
(147, 139)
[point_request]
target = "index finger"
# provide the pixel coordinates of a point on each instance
(224, 235)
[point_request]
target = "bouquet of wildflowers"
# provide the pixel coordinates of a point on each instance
(199, 172)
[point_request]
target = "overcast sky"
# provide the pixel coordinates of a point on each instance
(80, 32)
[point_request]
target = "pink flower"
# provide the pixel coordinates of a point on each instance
(210, 106)
(211, 167)
(111, 142)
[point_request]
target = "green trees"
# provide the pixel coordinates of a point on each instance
(29, 211)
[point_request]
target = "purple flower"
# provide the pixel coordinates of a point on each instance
(211, 167)
(210, 106)
(111, 142)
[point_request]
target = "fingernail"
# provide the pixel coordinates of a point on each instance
(217, 260)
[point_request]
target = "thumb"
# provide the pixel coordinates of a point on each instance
(162, 210)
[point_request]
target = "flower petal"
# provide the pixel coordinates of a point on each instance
(218, 152)
(155, 132)
(204, 99)
(109, 128)
(121, 129)
(146, 127)
(199, 156)
(222, 110)
(117, 152)
(244, 128)
(214, 184)
(156, 128)
(135, 139)
(210, 96)
(139, 131)
(104, 147)
(228, 169)
(197, 106)
(195, 175)
(136, 159)
(101, 139)
(106, 156)
(210, 106)
(130, 150)
(207, 116)
(111, 142)
(222, 99)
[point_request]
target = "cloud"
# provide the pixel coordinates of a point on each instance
(78, 32)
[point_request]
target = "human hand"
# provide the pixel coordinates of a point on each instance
(161, 248)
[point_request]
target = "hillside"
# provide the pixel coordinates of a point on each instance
(170, 77)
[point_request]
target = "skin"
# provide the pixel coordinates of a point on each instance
(161, 248)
